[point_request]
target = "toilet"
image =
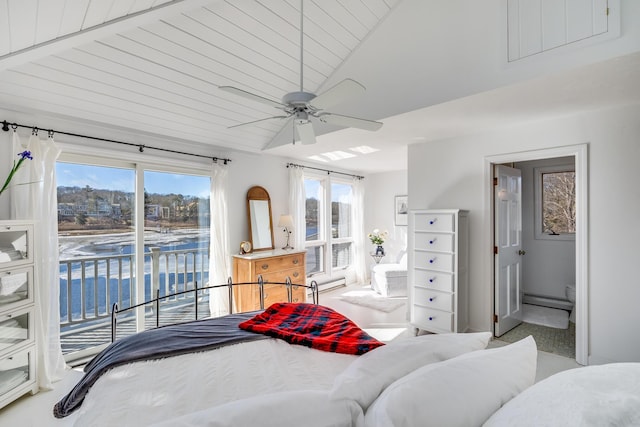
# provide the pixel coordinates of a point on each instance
(571, 296)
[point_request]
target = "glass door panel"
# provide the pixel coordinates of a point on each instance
(176, 245)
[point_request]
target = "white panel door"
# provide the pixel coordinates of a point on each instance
(508, 240)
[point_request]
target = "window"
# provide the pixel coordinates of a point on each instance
(341, 235)
(315, 242)
(328, 225)
(555, 202)
(98, 208)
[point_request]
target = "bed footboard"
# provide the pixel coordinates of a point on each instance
(156, 302)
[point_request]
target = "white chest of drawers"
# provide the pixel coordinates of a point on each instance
(438, 267)
(17, 311)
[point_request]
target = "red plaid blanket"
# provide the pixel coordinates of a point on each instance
(312, 325)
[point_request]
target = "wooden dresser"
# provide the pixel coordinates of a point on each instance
(274, 266)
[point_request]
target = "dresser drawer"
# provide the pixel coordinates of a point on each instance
(434, 222)
(278, 293)
(432, 320)
(295, 274)
(267, 265)
(433, 299)
(433, 280)
(434, 261)
(434, 242)
(16, 371)
(16, 329)
(16, 287)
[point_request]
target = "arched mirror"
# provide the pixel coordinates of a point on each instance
(260, 223)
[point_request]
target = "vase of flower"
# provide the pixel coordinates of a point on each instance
(377, 238)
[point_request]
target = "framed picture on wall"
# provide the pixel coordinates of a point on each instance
(401, 210)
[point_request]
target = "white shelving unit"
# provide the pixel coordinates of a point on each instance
(17, 311)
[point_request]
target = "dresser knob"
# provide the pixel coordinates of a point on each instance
(431, 242)
(431, 222)
(265, 266)
(431, 299)
(432, 260)
(296, 274)
(433, 279)
(296, 261)
(431, 318)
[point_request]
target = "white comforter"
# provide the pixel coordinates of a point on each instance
(143, 393)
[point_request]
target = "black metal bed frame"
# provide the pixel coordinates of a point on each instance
(289, 285)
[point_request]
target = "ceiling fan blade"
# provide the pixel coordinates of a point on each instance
(276, 141)
(252, 96)
(348, 121)
(339, 93)
(306, 133)
(256, 121)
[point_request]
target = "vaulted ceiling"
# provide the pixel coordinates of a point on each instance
(154, 68)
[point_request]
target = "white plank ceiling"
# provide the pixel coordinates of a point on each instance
(148, 71)
(155, 66)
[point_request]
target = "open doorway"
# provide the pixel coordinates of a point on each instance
(540, 283)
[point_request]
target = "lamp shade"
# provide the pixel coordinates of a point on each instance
(285, 221)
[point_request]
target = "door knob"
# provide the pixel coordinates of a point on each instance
(521, 252)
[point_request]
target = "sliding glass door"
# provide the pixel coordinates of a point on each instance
(111, 233)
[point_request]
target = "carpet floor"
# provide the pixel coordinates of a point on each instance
(552, 340)
(369, 298)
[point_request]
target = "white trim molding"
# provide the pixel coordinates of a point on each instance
(580, 153)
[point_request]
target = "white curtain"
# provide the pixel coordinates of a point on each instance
(219, 261)
(297, 203)
(35, 197)
(357, 220)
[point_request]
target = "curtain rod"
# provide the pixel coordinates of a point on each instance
(324, 170)
(141, 147)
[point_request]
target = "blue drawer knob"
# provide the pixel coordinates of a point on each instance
(431, 299)
(431, 242)
(431, 222)
(432, 280)
(431, 261)
(430, 317)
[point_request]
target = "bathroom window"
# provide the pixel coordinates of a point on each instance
(555, 202)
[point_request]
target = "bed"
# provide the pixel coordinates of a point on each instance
(439, 380)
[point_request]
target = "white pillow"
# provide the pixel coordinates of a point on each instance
(309, 408)
(366, 377)
(605, 395)
(463, 391)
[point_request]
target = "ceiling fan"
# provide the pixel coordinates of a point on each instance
(302, 107)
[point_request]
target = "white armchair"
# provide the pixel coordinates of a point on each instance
(390, 280)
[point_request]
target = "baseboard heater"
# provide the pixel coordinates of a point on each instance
(331, 284)
(547, 301)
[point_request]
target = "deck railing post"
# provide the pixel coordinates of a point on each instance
(155, 270)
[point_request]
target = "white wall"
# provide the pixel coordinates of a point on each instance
(450, 174)
(548, 265)
(379, 204)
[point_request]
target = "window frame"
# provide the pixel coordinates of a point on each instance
(325, 236)
(138, 163)
(538, 173)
